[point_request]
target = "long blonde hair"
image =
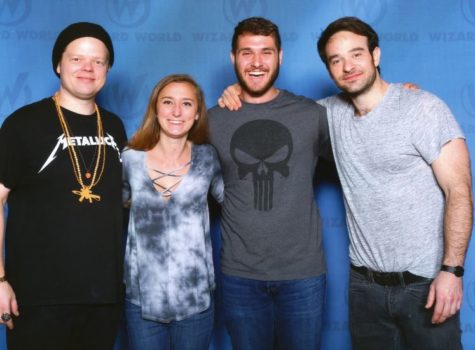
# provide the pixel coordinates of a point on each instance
(148, 134)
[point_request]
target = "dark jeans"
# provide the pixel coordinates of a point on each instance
(394, 317)
(60, 327)
(192, 333)
(264, 315)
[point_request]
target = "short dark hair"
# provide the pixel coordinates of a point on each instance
(349, 24)
(256, 26)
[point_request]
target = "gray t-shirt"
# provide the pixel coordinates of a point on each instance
(394, 206)
(268, 152)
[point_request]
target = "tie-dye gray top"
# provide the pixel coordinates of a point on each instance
(168, 260)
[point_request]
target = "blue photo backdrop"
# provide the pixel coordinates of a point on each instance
(429, 42)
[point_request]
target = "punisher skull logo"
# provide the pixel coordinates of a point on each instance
(262, 148)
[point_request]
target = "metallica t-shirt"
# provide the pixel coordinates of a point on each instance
(60, 250)
(270, 224)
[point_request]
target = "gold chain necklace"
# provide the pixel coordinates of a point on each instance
(86, 190)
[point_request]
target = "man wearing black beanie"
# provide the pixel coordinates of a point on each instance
(60, 172)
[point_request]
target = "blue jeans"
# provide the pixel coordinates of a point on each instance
(193, 333)
(265, 315)
(394, 317)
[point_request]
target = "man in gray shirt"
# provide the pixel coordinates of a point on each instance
(273, 279)
(405, 172)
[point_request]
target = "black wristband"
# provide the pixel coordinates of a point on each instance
(456, 270)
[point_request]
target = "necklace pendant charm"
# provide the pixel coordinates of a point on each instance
(87, 175)
(85, 193)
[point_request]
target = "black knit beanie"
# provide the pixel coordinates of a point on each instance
(80, 30)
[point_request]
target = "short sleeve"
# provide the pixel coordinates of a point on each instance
(434, 126)
(217, 184)
(10, 151)
(126, 190)
(325, 147)
(324, 143)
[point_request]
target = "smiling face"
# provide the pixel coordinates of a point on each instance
(177, 110)
(256, 63)
(83, 68)
(350, 63)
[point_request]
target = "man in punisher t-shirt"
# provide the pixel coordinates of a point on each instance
(272, 260)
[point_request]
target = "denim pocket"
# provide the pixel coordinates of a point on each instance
(418, 290)
(358, 280)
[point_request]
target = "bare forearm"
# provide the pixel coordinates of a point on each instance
(458, 223)
(3, 203)
(2, 235)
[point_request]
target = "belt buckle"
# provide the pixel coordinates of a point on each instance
(387, 278)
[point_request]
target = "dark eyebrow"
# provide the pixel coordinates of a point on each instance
(262, 49)
(356, 49)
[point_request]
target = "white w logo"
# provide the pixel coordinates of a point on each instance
(468, 10)
(368, 10)
(235, 10)
(125, 98)
(12, 94)
(128, 13)
(468, 99)
(14, 11)
(470, 294)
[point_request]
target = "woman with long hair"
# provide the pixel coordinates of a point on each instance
(168, 172)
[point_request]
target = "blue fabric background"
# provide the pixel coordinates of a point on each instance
(429, 42)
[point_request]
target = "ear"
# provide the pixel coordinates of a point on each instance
(281, 54)
(197, 117)
(376, 56)
(232, 57)
(58, 69)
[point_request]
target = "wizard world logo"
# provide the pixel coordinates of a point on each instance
(371, 11)
(16, 94)
(470, 293)
(126, 96)
(468, 10)
(236, 10)
(468, 99)
(13, 12)
(128, 13)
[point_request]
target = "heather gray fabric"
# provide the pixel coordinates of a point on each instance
(394, 206)
(168, 260)
(270, 224)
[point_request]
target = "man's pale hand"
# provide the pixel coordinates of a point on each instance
(445, 295)
(230, 98)
(411, 86)
(8, 303)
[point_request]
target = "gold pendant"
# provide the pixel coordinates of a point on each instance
(88, 175)
(86, 193)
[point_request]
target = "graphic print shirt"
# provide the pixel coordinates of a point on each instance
(270, 224)
(60, 250)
